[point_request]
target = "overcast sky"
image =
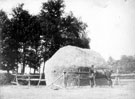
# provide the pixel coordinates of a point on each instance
(111, 23)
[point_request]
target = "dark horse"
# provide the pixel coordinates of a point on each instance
(101, 73)
(92, 74)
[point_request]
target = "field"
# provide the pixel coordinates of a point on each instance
(125, 90)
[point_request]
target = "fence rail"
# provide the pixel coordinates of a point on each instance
(123, 75)
(28, 77)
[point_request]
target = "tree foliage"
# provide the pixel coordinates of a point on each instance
(125, 65)
(61, 29)
(20, 32)
(30, 39)
(7, 53)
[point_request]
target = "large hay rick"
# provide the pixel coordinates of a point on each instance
(70, 58)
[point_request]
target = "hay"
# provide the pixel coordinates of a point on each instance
(70, 58)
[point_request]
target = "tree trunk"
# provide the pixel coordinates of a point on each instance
(34, 71)
(17, 70)
(44, 67)
(7, 71)
(43, 72)
(23, 68)
(30, 71)
(39, 70)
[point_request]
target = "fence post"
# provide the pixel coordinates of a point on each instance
(65, 79)
(79, 77)
(40, 77)
(89, 77)
(29, 80)
(16, 78)
(117, 77)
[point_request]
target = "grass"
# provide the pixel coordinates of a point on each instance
(123, 91)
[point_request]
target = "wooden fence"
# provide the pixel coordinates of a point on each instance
(28, 78)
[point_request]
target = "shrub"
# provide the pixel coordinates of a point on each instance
(5, 78)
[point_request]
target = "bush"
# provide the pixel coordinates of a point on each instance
(5, 78)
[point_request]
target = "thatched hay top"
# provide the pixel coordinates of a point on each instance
(74, 56)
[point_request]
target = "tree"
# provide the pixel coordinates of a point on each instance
(33, 57)
(29, 39)
(73, 32)
(59, 30)
(20, 32)
(125, 65)
(33, 60)
(110, 61)
(2, 19)
(8, 60)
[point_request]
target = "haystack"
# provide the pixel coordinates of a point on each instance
(70, 57)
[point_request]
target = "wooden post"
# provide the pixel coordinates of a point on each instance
(56, 80)
(94, 78)
(29, 80)
(40, 79)
(65, 79)
(79, 77)
(39, 70)
(89, 78)
(16, 79)
(117, 77)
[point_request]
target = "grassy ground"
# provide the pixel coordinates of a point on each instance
(123, 91)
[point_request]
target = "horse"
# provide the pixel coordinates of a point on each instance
(92, 74)
(103, 73)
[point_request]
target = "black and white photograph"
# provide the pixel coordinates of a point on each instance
(67, 49)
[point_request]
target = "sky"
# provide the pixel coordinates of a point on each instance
(111, 23)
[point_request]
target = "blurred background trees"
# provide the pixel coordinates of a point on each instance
(126, 64)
